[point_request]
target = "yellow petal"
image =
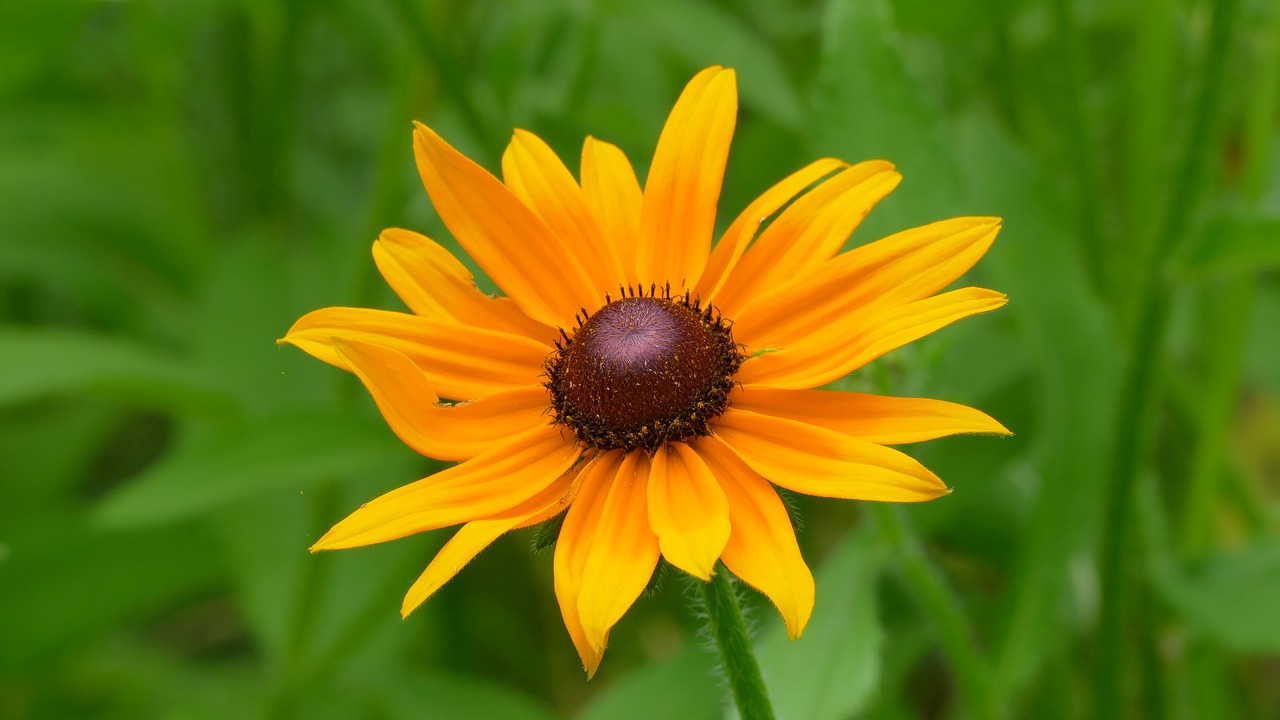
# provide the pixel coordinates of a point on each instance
(622, 552)
(909, 266)
(436, 286)
(460, 362)
(476, 536)
(872, 418)
(762, 549)
(817, 461)
(447, 432)
(735, 240)
(808, 233)
(536, 175)
(515, 248)
(488, 485)
(613, 193)
(576, 536)
(837, 350)
(683, 188)
(687, 510)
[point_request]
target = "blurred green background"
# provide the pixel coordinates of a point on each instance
(180, 180)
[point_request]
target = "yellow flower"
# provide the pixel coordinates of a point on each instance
(648, 383)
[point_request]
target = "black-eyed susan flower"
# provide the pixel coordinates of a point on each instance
(650, 386)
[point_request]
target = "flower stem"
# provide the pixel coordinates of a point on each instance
(724, 618)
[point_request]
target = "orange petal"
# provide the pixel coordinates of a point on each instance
(476, 536)
(902, 268)
(816, 461)
(808, 233)
(872, 418)
(515, 248)
(460, 362)
(762, 549)
(447, 432)
(488, 485)
(687, 510)
(536, 175)
(683, 188)
(734, 241)
(839, 349)
(576, 537)
(435, 285)
(613, 193)
(622, 552)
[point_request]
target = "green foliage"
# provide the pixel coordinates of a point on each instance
(179, 182)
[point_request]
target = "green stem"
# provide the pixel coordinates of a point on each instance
(942, 607)
(1151, 296)
(734, 643)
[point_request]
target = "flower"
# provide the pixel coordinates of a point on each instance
(649, 386)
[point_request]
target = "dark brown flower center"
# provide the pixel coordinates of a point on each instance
(642, 371)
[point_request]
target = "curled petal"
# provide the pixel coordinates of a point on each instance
(436, 286)
(447, 432)
(460, 362)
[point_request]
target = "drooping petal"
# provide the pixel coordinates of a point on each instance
(687, 510)
(835, 351)
(515, 248)
(873, 418)
(622, 552)
(903, 268)
(436, 286)
(447, 432)
(478, 535)
(808, 233)
(762, 549)
(735, 240)
(485, 486)
(576, 536)
(536, 175)
(459, 361)
(683, 187)
(816, 461)
(614, 195)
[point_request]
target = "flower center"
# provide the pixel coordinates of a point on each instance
(642, 371)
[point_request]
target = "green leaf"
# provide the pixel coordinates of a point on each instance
(683, 687)
(283, 452)
(64, 581)
(832, 671)
(1232, 596)
(39, 363)
(1233, 242)
(450, 697)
